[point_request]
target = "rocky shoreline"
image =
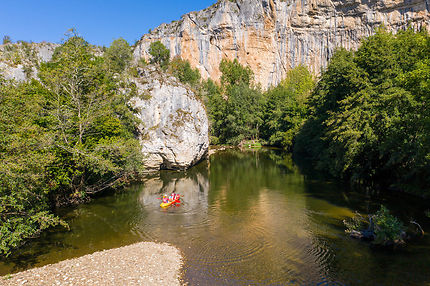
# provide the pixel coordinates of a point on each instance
(144, 263)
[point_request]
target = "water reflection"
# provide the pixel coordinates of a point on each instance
(193, 187)
(247, 218)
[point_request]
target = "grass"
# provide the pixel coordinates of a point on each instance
(253, 144)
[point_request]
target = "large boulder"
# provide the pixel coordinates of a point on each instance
(174, 131)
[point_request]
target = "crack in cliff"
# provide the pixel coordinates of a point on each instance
(313, 29)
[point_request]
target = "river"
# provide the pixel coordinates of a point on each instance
(247, 218)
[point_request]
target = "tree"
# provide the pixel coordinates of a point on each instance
(94, 137)
(25, 156)
(285, 109)
(62, 139)
(160, 54)
(182, 70)
(118, 56)
(235, 109)
(369, 113)
(234, 73)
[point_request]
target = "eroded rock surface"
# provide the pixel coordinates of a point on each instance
(273, 36)
(20, 61)
(174, 130)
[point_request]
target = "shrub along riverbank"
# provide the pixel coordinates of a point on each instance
(72, 133)
(63, 138)
(369, 115)
(367, 119)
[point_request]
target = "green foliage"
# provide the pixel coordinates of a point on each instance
(142, 63)
(160, 54)
(235, 109)
(118, 56)
(368, 114)
(182, 70)
(90, 118)
(239, 111)
(387, 227)
(356, 223)
(70, 136)
(24, 159)
(384, 227)
(233, 73)
(285, 110)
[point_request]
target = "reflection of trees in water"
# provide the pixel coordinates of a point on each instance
(192, 185)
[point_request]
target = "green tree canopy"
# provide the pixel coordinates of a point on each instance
(118, 55)
(285, 110)
(182, 70)
(160, 54)
(233, 73)
(369, 112)
(235, 109)
(62, 139)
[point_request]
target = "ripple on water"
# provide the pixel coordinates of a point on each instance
(218, 252)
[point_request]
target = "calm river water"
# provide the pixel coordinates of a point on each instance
(248, 218)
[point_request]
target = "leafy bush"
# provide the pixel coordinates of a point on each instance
(382, 227)
(160, 54)
(6, 40)
(387, 227)
(182, 70)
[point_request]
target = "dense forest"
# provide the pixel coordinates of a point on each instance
(64, 137)
(72, 133)
(366, 119)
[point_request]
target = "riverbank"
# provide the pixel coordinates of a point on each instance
(144, 263)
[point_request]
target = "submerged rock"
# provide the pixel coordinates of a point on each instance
(174, 130)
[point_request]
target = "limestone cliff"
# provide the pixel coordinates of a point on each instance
(272, 36)
(20, 61)
(175, 129)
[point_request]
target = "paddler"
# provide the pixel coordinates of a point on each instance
(165, 199)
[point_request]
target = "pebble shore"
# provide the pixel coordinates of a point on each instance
(144, 263)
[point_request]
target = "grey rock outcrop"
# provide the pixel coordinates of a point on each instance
(20, 61)
(273, 36)
(174, 130)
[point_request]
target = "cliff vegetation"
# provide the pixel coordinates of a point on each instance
(64, 137)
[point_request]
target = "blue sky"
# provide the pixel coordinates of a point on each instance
(98, 21)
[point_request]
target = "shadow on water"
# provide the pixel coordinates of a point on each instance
(247, 218)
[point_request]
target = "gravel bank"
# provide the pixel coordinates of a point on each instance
(144, 263)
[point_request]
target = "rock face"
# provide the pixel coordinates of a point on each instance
(174, 130)
(20, 61)
(273, 36)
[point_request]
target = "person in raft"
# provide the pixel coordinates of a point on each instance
(165, 199)
(173, 197)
